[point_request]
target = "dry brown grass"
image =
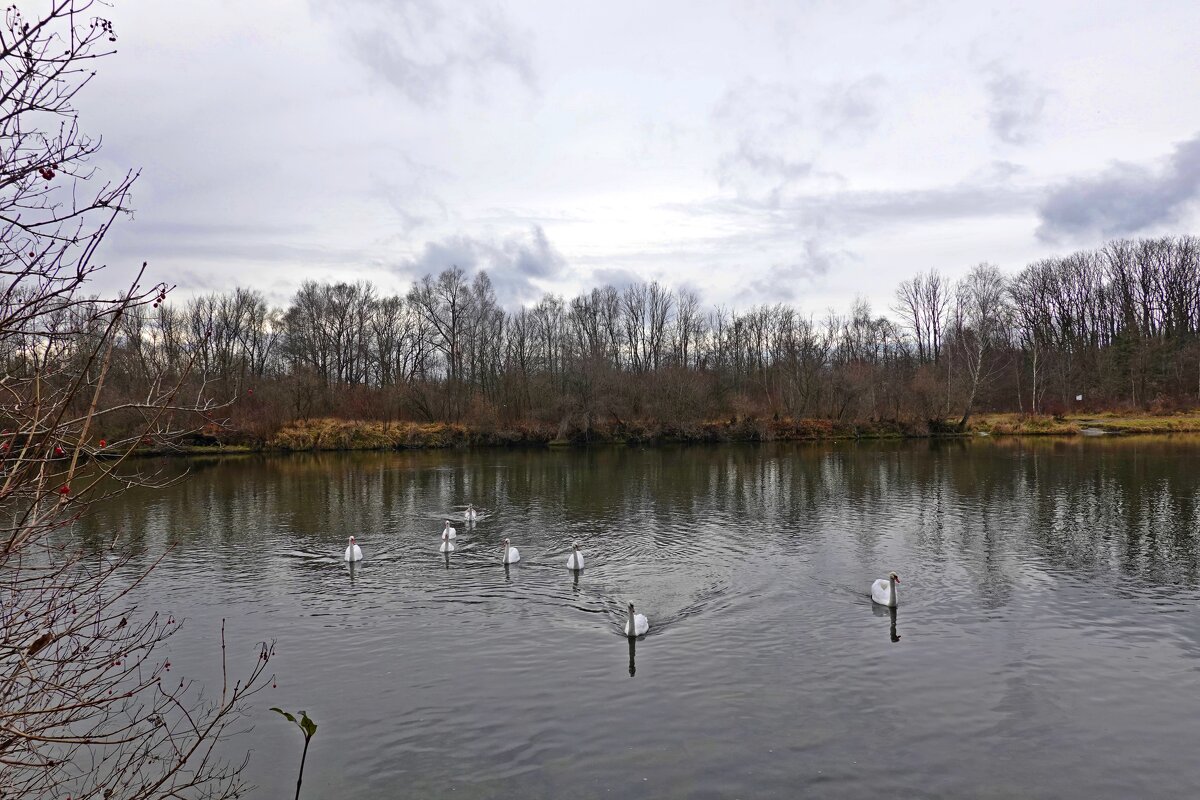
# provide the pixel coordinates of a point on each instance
(1023, 425)
(1180, 422)
(1071, 424)
(340, 434)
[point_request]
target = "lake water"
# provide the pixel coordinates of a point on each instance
(1047, 642)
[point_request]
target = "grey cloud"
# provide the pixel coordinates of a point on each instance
(851, 109)
(756, 159)
(422, 47)
(535, 259)
(775, 103)
(778, 132)
(199, 256)
(760, 118)
(616, 277)
(1124, 199)
(964, 201)
(783, 281)
(513, 264)
(1016, 104)
(867, 210)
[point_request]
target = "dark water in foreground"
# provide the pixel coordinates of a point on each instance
(1048, 633)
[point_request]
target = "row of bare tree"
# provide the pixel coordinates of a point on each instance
(1119, 326)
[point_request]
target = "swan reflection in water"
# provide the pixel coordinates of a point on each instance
(884, 611)
(575, 580)
(632, 656)
(353, 565)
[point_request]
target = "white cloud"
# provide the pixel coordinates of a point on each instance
(834, 149)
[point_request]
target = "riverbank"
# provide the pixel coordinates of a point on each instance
(336, 434)
(1106, 423)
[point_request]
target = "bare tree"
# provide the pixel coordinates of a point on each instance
(444, 305)
(89, 706)
(981, 320)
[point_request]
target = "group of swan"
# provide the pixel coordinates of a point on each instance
(883, 591)
(635, 624)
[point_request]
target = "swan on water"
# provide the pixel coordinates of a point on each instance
(636, 624)
(471, 514)
(449, 532)
(511, 554)
(447, 545)
(353, 552)
(884, 591)
(575, 560)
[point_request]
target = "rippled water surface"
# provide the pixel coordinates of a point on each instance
(1047, 642)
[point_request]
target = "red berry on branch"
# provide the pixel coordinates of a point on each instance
(64, 490)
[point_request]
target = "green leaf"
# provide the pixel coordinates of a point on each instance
(308, 726)
(286, 714)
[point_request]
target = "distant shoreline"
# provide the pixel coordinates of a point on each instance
(333, 435)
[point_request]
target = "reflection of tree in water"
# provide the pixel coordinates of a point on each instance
(1129, 505)
(1085, 507)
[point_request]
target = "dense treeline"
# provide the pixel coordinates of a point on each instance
(1119, 326)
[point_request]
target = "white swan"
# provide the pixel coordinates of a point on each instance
(575, 560)
(884, 591)
(448, 532)
(636, 625)
(471, 514)
(447, 545)
(353, 552)
(511, 554)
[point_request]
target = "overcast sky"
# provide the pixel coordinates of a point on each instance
(755, 151)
